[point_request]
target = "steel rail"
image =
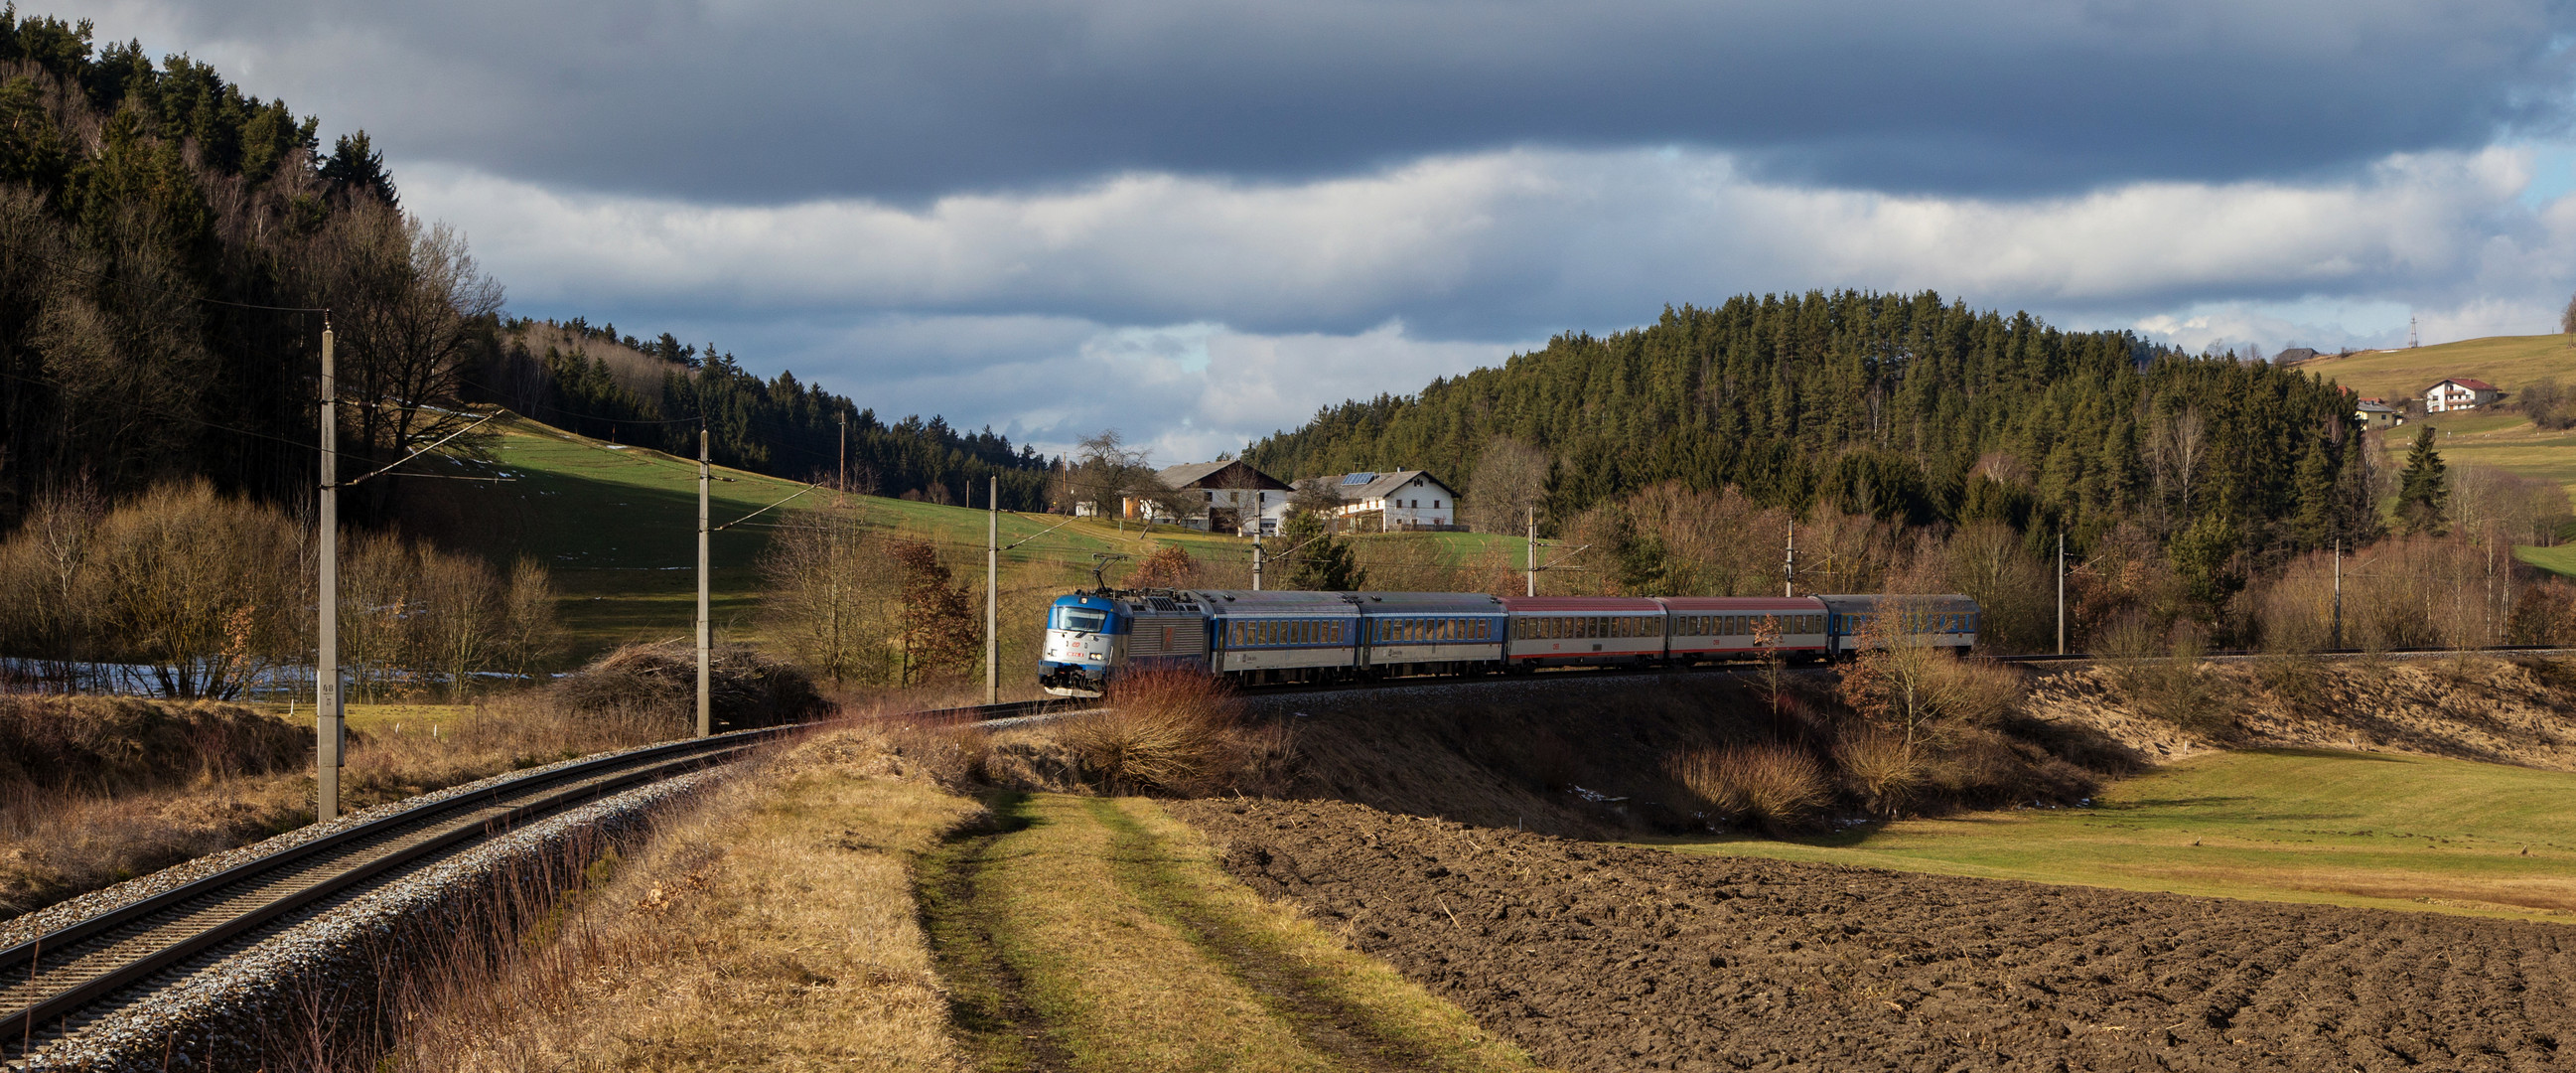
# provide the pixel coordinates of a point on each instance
(96, 956)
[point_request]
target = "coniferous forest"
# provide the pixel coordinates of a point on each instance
(168, 244)
(1900, 407)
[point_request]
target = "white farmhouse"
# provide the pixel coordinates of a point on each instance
(1225, 496)
(1395, 501)
(2458, 393)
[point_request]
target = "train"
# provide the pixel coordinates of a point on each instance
(1273, 637)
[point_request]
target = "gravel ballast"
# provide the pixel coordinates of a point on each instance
(334, 971)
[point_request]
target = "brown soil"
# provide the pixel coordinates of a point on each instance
(1613, 958)
(2509, 712)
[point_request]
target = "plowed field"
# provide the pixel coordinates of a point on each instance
(1609, 958)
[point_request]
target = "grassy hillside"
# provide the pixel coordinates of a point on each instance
(2504, 440)
(2507, 361)
(2282, 825)
(618, 526)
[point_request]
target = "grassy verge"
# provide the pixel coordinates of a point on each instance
(1098, 934)
(775, 929)
(2399, 832)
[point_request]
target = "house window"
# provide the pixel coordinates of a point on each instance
(1435, 504)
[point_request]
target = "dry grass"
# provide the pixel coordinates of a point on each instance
(1780, 787)
(97, 790)
(773, 929)
(778, 928)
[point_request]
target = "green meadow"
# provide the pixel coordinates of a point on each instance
(617, 525)
(2356, 829)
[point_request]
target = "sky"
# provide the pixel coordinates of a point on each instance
(1198, 222)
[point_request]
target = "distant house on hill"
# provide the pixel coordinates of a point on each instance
(1397, 500)
(2458, 393)
(2377, 413)
(2293, 355)
(1224, 496)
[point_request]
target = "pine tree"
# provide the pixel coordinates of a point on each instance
(357, 166)
(2319, 502)
(1324, 561)
(2420, 493)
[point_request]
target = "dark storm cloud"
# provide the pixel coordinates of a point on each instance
(761, 103)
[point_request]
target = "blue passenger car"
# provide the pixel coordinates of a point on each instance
(1282, 636)
(1855, 623)
(1431, 632)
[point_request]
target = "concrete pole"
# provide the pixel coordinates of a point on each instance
(992, 592)
(1789, 568)
(328, 717)
(1256, 555)
(1533, 551)
(2061, 593)
(706, 680)
(2338, 599)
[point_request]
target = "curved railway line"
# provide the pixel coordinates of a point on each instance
(54, 985)
(78, 973)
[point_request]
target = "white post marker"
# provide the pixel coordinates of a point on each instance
(1533, 551)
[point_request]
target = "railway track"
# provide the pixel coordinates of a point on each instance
(86, 970)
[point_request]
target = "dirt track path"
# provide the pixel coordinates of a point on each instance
(1608, 958)
(1099, 934)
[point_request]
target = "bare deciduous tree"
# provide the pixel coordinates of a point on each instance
(831, 592)
(187, 582)
(1510, 481)
(1107, 473)
(414, 313)
(2177, 446)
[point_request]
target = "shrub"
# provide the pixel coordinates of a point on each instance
(2172, 686)
(1175, 732)
(658, 685)
(1777, 786)
(1882, 767)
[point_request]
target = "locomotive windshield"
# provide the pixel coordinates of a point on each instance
(1081, 619)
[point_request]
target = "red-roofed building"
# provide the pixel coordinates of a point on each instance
(2458, 393)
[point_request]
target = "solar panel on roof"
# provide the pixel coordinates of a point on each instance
(1358, 478)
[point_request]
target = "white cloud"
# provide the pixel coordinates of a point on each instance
(1516, 241)
(1197, 312)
